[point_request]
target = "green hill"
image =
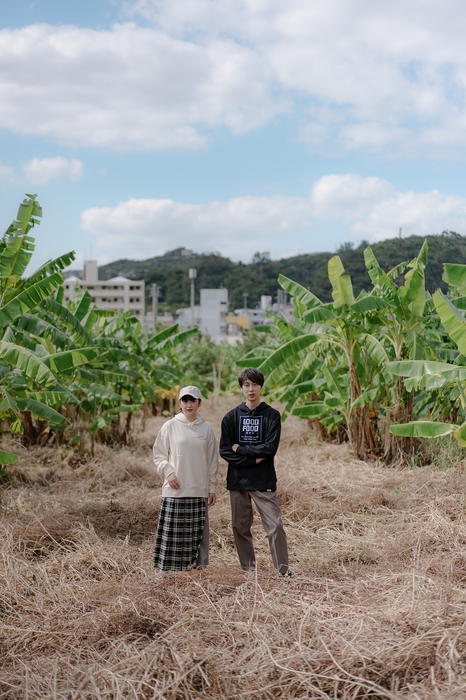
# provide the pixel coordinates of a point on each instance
(170, 271)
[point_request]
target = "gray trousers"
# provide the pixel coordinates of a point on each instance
(270, 514)
(203, 558)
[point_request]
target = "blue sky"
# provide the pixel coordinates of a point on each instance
(233, 126)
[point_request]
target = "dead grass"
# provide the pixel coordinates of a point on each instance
(375, 609)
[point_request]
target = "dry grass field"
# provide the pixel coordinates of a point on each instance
(376, 607)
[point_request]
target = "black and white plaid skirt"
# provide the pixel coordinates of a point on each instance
(179, 533)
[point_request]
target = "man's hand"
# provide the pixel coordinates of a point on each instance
(258, 459)
(212, 499)
(173, 481)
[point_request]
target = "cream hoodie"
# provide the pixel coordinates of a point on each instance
(190, 450)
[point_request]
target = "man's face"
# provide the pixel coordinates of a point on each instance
(251, 391)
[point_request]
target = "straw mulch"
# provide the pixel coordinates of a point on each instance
(376, 607)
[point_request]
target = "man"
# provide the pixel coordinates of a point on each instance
(248, 443)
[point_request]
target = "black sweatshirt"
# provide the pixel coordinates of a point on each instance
(257, 432)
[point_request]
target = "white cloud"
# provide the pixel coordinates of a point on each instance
(6, 171)
(128, 87)
(423, 214)
(238, 227)
(38, 171)
(354, 74)
(369, 208)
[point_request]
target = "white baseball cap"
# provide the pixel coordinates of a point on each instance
(190, 391)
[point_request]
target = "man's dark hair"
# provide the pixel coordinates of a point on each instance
(254, 375)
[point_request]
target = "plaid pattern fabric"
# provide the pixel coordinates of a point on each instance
(179, 533)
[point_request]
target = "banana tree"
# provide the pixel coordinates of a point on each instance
(27, 377)
(402, 331)
(446, 378)
(331, 356)
(336, 353)
(348, 353)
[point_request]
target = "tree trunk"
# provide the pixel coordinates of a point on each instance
(361, 437)
(396, 447)
(29, 429)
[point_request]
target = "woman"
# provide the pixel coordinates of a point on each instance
(185, 454)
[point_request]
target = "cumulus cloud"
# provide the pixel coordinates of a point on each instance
(369, 208)
(38, 171)
(237, 227)
(385, 73)
(353, 75)
(129, 86)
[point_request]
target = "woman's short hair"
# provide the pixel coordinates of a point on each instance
(253, 375)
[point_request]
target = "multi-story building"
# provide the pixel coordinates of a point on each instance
(210, 315)
(113, 294)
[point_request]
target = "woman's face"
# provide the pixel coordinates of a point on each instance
(189, 406)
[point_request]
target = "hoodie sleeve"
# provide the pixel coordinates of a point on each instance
(272, 440)
(161, 452)
(227, 439)
(212, 460)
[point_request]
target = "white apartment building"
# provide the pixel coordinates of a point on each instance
(113, 294)
(210, 315)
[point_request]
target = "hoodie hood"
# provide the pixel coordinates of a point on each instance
(182, 418)
(243, 408)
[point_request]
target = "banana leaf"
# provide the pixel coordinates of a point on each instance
(303, 295)
(423, 429)
(44, 329)
(51, 266)
(288, 351)
(161, 336)
(370, 303)
(423, 368)
(321, 313)
(68, 319)
(55, 397)
(177, 339)
(40, 410)
(342, 289)
(379, 278)
(365, 398)
(29, 298)
(69, 359)
(125, 408)
(100, 392)
(83, 306)
(452, 320)
(314, 409)
(460, 435)
(455, 275)
(255, 357)
(7, 458)
(27, 362)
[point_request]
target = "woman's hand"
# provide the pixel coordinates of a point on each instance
(173, 481)
(212, 499)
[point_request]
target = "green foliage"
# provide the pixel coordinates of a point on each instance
(170, 271)
(331, 365)
(211, 364)
(76, 371)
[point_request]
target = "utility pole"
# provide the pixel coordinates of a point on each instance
(245, 301)
(155, 304)
(192, 277)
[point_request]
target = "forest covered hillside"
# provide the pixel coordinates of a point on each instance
(170, 271)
